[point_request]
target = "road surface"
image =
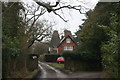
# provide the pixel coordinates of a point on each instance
(50, 73)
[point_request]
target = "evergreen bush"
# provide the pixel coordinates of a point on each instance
(79, 56)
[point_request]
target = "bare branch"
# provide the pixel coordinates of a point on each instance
(32, 42)
(35, 19)
(57, 2)
(71, 7)
(54, 9)
(60, 16)
(43, 32)
(38, 34)
(47, 6)
(31, 31)
(50, 7)
(34, 15)
(62, 11)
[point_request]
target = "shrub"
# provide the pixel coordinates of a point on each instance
(78, 56)
(75, 61)
(51, 58)
(71, 55)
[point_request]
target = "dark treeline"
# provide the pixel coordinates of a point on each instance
(11, 22)
(99, 37)
(19, 34)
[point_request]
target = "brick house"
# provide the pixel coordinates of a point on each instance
(66, 43)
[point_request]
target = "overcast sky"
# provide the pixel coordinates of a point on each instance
(74, 17)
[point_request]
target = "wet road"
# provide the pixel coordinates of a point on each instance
(50, 73)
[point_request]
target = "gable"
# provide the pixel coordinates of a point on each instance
(67, 40)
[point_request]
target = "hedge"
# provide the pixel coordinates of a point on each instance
(76, 62)
(52, 57)
(78, 56)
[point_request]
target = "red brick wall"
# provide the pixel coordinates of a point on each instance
(61, 47)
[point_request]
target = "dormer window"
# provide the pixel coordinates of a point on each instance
(68, 40)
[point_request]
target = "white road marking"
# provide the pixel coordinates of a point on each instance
(43, 71)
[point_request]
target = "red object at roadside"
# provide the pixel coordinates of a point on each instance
(60, 60)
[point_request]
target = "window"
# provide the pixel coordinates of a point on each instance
(68, 48)
(68, 40)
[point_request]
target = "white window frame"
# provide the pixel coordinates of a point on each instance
(68, 40)
(68, 48)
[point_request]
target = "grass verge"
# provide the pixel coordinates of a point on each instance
(60, 67)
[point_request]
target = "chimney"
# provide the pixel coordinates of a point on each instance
(67, 32)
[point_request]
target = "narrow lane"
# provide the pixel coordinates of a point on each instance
(50, 73)
(43, 72)
(59, 74)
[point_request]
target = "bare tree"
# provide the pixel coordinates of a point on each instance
(57, 6)
(41, 48)
(34, 29)
(39, 31)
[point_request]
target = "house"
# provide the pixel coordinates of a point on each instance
(66, 43)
